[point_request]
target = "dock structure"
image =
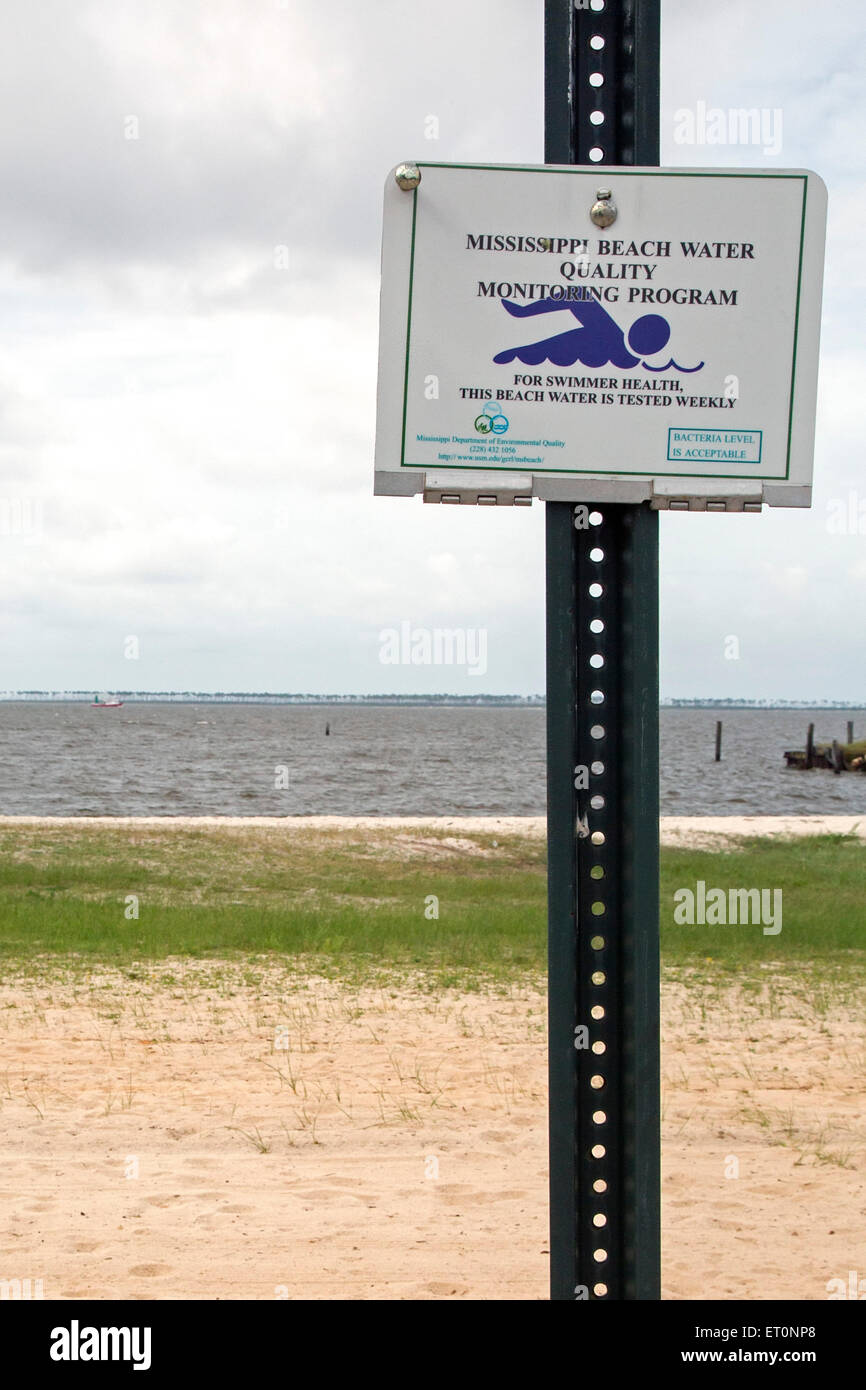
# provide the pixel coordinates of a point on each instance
(838, 757)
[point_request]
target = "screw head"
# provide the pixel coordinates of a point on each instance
(603, 210)
(408, 176)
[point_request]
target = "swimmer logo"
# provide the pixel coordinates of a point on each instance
(491, 420)
(597, 342)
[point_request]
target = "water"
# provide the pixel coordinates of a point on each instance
(752, 779)
(188, 759)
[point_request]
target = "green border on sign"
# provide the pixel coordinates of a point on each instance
(620, 173)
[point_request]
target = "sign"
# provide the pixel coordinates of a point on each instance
(600, 334)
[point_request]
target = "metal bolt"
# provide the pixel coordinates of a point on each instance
(408, 176)
(604, 210)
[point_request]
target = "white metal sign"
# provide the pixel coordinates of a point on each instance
(612, 334)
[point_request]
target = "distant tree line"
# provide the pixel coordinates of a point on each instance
(270, 697)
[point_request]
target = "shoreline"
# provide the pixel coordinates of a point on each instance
(674, 830)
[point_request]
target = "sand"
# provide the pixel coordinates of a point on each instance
(702, 831)
(215, 1131)
(209, 1130)
(694, 831)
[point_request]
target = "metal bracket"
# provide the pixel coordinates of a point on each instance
(712, 497)
(479, 489)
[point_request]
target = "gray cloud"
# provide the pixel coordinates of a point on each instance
(197, 423)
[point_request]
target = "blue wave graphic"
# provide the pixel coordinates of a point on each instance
(668, 365)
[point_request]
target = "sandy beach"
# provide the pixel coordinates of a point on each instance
(247, 1129)
(695, 831)
(215, 1131)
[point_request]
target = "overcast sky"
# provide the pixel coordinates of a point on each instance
(186, 426)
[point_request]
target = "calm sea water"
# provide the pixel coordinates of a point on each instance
(172, 759)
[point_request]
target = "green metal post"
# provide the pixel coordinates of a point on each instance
(602, 723)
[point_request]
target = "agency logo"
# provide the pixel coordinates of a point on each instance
(598, 341)
(491, 420)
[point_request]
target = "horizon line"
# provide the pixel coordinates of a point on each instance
(312, 697)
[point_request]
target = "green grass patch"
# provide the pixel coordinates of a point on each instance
(350, 900)
(822, 881)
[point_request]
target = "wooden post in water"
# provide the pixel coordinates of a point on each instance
(810, 750)
(850, 738)
(838, 760)
(718, 740)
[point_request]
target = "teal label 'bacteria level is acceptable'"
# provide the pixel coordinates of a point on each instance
(714, 446)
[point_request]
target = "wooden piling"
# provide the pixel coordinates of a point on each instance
(837, 759)
(810, 746)
(850, 738)
(718, 740)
